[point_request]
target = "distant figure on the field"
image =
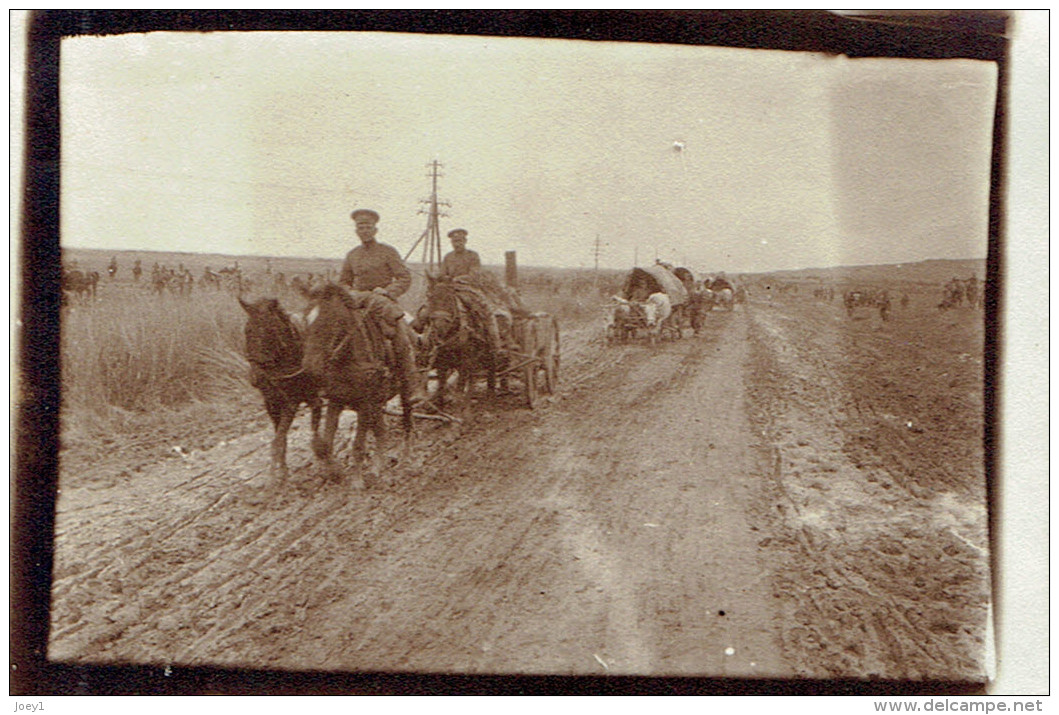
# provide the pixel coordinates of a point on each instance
(137, 270)
(112, 269)
(186, 281)
(955, 291)
(211, 279)
(459, 261)
(971, 291)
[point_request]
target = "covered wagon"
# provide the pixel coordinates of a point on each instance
(651, 305)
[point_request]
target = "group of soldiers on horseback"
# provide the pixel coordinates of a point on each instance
(178, 281)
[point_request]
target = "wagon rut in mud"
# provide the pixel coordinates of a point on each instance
(629, 525)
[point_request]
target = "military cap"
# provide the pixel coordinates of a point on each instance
(458, 232)
(365, 214)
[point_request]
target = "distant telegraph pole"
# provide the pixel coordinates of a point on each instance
(597, 249)
(432, 234)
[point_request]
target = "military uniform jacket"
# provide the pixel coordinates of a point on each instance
(460, 264)
(375, 265)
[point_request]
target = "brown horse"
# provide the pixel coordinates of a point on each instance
(274, 348)
(460, 337)
(82, 285)
(348, 355)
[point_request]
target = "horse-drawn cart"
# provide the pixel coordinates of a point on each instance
(651, 305)
(475, 326)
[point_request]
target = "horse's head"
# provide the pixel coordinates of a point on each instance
(272, 341)
(321, 293)
(441, 312)
(326, 298)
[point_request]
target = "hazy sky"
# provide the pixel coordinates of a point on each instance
(262, 143)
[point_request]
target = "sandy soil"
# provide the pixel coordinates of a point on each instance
(793, 493)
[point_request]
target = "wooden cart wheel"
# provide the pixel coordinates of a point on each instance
(551, 367)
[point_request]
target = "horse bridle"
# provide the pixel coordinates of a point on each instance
(454, 336)
(295, 334)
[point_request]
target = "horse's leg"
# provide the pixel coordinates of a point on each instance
(360, 448)
(281, 415)
(322, 443)
(315, 410)
(279, 443)
(408, 427)
(378, 427)
(490, 377)
(439, 394)
(465, 385)
(463, 391)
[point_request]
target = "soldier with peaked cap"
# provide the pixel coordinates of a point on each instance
(460, 261)
(374, 266)
(377, 268)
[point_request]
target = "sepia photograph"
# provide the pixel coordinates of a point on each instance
(470, 354)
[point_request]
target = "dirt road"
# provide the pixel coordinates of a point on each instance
(703, 507)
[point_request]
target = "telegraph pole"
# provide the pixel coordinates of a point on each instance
(432, 234)
(597, 249)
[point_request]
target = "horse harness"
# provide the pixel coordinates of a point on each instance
(454, 337)
(366, 338)
(295, 337)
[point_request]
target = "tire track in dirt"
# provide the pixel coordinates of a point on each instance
(869, 554)
(123, 561)
(683, 550)
(179, 563)
(580, 538)
(509, 536)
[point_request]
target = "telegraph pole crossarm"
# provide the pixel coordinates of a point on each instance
(432, 234)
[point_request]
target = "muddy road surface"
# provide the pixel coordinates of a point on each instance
(772, 498)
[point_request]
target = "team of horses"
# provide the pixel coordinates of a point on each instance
(336, 355)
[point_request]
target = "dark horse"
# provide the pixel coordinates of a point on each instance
(458, 336)
(348, 355)
(274, 350)
(83, 285)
